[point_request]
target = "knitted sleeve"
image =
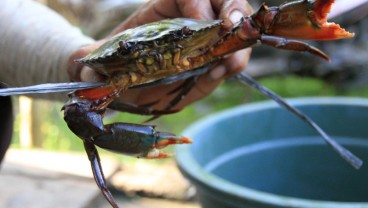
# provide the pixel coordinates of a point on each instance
(35, 45)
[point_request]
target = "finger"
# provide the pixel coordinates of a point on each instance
(165, 9)
(233, 64)
(77, 72)
(203, 88)
(89, 75)
(162, 93)
(237, 62)
(217, 72)
(74, 69)
(142, 96)
(231, 11)
(196, 9)
(150, 12)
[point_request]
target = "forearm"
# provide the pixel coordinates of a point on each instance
(36, 44)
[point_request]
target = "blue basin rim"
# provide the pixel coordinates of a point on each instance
(196, 173)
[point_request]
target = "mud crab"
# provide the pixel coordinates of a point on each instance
(178, 49)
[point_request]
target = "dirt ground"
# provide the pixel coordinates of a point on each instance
(40, 179)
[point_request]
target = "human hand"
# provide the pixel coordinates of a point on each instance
(230, 11)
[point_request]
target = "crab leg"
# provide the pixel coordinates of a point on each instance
(98, 174)
(130, 139)
(183, 90)
(118, 133)
(343, 152)
(293, 45)
(138, 109)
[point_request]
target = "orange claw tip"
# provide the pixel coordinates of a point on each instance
(163, 142)
(186, 140)
(330, 31)
(326, 30)
(321, 9)
(157, 154)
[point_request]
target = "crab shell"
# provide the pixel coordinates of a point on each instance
(156, 50)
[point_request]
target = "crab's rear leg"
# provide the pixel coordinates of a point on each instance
(182, 91)
(145, 109)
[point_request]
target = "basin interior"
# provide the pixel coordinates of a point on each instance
(270, 150)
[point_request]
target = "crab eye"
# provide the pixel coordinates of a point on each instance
(125, 47)
(186, 31)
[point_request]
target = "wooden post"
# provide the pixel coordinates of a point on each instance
(38, 111)
(25, 135)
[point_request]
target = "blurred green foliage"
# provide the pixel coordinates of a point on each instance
(56, 135)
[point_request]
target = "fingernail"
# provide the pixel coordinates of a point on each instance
(235, 16)
(217, 73)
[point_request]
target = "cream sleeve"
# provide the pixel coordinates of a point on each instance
(35, 45)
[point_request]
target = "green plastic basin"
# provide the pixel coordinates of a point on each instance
(260, 155)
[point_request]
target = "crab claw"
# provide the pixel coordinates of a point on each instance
(157, 154)
(165, 139)
(305, 20)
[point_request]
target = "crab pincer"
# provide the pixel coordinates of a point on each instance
(306, 20)
(164, 140)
